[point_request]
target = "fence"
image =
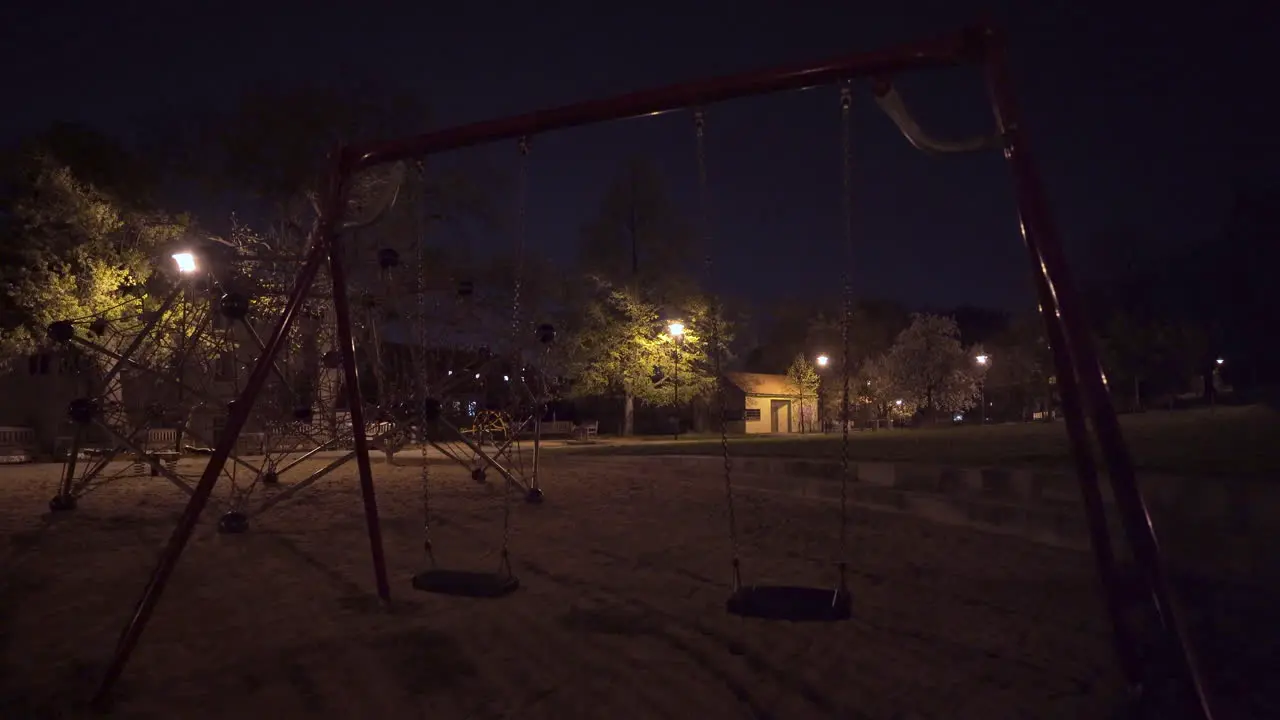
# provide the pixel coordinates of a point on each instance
(16, 444)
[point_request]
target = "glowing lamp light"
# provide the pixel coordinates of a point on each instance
(506, 379)
(983, 359)
(477, 376)
(186, 262)
(676, 329)
(897, 402)
(1219, 361)
(823, 360)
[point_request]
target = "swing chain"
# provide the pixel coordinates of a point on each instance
(522, 205)
(721, 406)
(846, 103)
(423, 389)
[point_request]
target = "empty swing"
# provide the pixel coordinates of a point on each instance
(792, 603)
(468, 583)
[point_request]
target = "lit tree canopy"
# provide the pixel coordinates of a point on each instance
(621, 347)
(876, 387)
(803, 379)
(68, 250)
(930, 366)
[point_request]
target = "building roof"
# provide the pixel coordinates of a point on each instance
(761, 383)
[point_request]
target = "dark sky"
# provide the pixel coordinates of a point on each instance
(1140, 117)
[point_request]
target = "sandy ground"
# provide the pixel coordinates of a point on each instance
(620, 614)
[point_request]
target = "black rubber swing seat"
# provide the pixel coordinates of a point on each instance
(790, 604)
(464, 583)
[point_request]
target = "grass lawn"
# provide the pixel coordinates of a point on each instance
(1219, 441)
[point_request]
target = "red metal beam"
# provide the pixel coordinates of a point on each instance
(355, 403)
(1076, 361)
(950, 49)
(236, 420)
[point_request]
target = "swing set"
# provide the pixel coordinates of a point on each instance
(1160, 670)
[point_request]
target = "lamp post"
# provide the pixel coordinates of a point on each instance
(187, 266)
(677, 337)
(1212, 389)
(984, 361)
(822, 361)
(186, 262)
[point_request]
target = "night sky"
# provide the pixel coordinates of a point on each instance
(1140, 121)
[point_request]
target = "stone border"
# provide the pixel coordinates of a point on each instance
(1213, 525)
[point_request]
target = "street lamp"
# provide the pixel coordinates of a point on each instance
(822, 361)
(676, 329)
(985, 361)
(186, 262)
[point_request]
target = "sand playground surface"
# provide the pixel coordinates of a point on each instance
(624, 572)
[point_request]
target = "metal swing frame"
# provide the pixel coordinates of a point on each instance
(1083, 388)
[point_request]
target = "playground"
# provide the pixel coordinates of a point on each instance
(620, 612)
(630, 589)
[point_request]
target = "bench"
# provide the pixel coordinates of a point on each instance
(586, 431)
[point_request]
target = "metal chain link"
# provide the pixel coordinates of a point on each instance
(705, 221)
(423, 389)
(522, 205)
(846, 103)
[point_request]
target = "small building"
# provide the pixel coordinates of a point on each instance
(760, 403)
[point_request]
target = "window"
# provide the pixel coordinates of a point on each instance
(751, 414)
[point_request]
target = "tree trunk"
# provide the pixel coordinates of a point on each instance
(1210, 392)
(628, 415)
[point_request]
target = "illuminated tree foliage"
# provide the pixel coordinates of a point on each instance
(620, 347)
(69, 250)
(803, 379)
(930, 367)
(877, 394)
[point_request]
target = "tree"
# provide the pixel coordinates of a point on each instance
(639, 238)
(813, 326)
(1020, 370)
(931, 367)
(804, 381)
(68, 250)
(620, 347)
(876, 390)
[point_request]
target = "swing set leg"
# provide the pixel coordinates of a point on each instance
(1077, 365)
(321, 242)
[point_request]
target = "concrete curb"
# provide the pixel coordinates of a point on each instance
(1218, 525)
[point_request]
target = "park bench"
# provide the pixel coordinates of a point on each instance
(586, 431)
